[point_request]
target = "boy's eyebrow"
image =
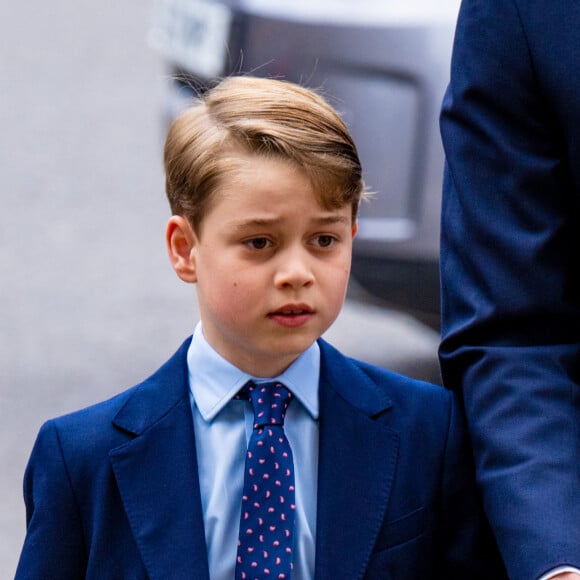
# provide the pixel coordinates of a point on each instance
(333, 219)
(323, 220)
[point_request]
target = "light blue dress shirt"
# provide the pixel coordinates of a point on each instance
(222, 429)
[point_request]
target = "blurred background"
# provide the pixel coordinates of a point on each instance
(88, 302)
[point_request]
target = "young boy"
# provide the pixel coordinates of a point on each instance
(361, 474)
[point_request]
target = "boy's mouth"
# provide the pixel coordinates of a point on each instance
(292, 314)
(292, 310)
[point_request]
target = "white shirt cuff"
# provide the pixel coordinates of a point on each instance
(558, 570)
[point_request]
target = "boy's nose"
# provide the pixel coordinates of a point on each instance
(294, 270)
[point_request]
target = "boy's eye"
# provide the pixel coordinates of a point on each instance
(325, 241)
(258, 243)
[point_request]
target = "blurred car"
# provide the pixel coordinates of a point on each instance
(384, 65)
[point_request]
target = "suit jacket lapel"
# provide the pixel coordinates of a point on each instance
(157, 475)
(357, 462)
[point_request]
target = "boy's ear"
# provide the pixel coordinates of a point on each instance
(354, 229)
(181, 240)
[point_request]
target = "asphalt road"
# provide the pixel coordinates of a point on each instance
(88, 302)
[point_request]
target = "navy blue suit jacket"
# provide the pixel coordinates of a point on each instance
(510, 272)
(112, 491)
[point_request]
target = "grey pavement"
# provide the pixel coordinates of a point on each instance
(88, 302)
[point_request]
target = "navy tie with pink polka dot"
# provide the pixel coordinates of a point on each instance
(266, 536)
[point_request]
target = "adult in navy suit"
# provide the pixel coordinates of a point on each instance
(510, 276)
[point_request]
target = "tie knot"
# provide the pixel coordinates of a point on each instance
(269, 400)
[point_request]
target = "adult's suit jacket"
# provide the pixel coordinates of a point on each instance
(510, 270)
(112, 491)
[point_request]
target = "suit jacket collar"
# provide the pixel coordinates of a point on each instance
(156, 471)
(357, 460)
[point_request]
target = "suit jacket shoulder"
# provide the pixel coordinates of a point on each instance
(379, 389)
(134, 409)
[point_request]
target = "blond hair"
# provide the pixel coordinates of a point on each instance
(262, 117)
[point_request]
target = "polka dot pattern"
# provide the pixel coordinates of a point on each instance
(266, 534)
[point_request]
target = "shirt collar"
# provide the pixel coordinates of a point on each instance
(214, 381)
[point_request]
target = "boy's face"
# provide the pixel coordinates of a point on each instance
(270, 263)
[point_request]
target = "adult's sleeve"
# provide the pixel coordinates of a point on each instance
(510, 285)
(54, 544)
